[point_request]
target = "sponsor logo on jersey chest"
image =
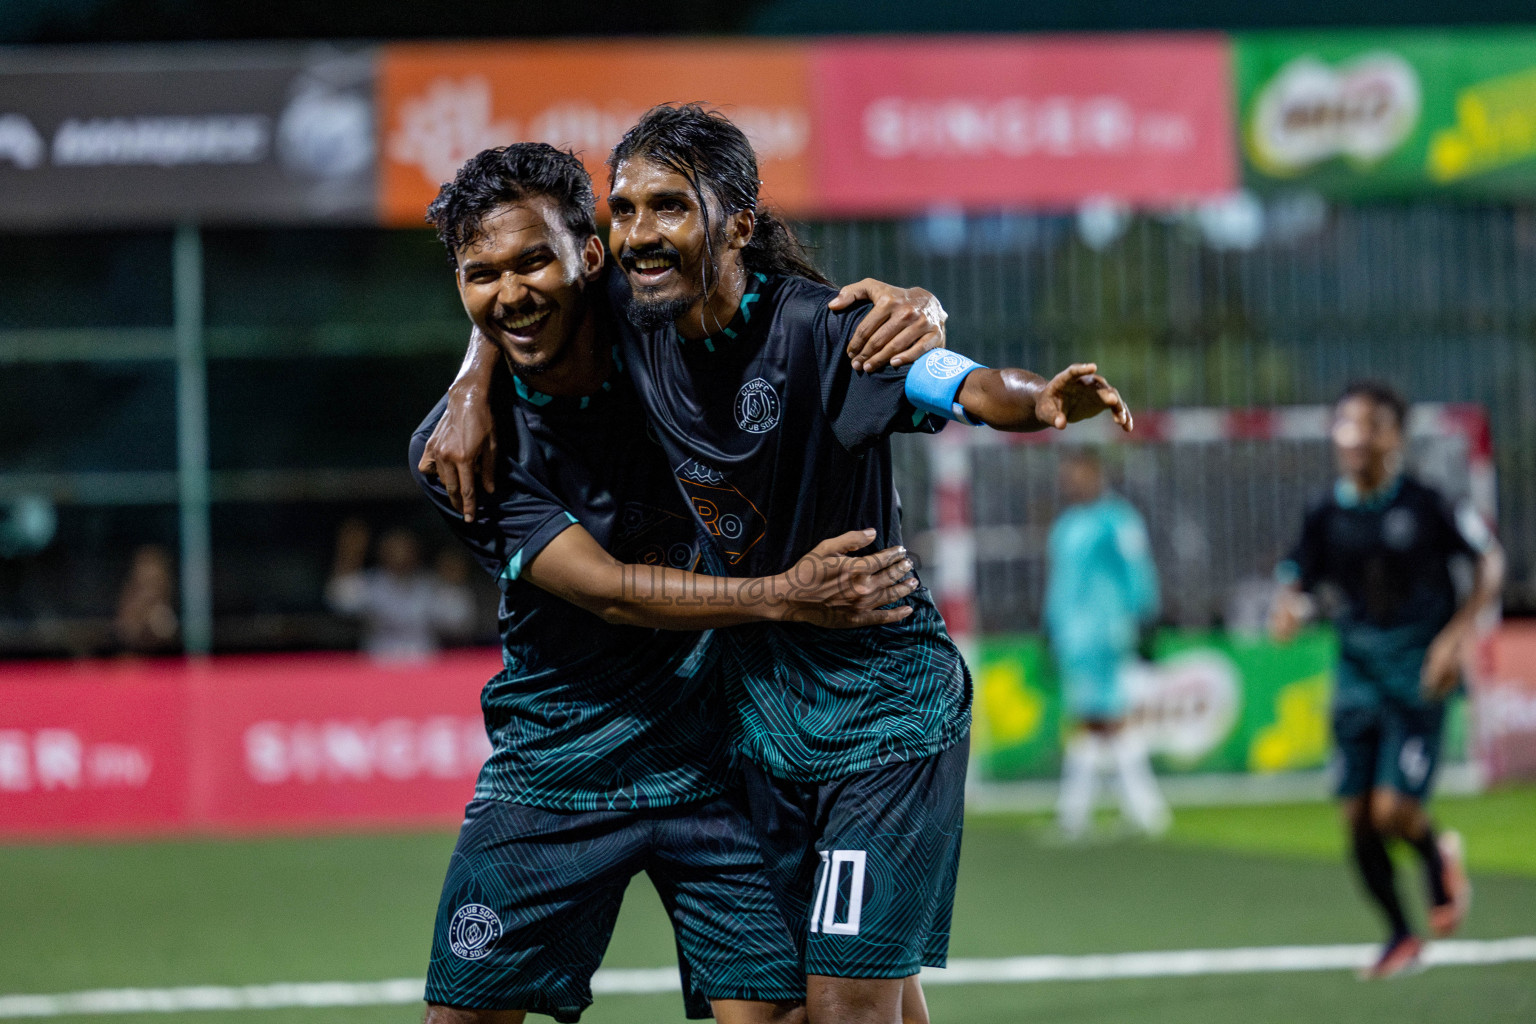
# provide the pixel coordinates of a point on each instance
(757, 407)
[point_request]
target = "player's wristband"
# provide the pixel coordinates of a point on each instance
(934, 381)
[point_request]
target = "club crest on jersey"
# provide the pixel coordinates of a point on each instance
(757, 407)
(474, 928)
(1399, 529)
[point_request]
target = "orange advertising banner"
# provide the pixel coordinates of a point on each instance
(439, 104)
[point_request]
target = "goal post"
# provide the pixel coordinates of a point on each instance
(1223, 492)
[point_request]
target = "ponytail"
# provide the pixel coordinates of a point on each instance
(774, 249)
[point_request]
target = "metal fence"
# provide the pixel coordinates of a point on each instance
(1220, 513)
(322, 349)
(1248, 306)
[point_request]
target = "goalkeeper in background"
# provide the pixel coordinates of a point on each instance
(1101, 591)
(1381, 546)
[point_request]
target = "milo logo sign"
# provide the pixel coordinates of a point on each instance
(1310, 112)
(1187, 704)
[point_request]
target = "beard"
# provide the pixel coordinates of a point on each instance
(654, 314)
(650, 313)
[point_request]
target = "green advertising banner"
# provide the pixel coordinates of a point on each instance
(1209, 702)
(1362, 115)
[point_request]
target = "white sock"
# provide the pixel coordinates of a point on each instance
(1079, 780)
(1140, 799)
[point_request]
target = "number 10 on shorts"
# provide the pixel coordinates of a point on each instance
(824, 907)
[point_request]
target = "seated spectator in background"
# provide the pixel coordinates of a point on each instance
(405, 610)
(146, 621)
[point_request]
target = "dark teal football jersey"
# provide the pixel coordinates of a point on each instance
(778, 444)
(1385, 562)
(586, 715)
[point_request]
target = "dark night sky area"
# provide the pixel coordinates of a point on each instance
(100, 21)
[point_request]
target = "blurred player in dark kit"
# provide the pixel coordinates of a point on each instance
(855, 742)
(610, 751)
(1384, 544)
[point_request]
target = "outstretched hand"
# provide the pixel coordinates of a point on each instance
(834, 588)
(462, 448)
(902, 324)
(1079, 393)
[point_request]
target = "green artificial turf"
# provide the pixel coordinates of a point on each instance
(359, 908)
(1499, 828)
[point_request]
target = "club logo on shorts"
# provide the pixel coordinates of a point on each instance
(473, 930)
(757, 407)
(945, 365)
(1414, 762)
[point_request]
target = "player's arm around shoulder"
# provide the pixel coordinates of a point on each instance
(900, 325)
(831, 586)
(949, 385)
(527, 535)
(461, 447)
(493, 529)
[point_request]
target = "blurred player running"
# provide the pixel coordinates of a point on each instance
(1384, 543)
(1101, 592)
(855, 741)
(610, 749)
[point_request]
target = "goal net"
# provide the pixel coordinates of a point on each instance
(1222, 492)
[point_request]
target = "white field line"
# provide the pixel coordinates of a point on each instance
(609, 981)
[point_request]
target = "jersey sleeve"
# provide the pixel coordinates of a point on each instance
(512, 524)
(1306, 564)
(1463, 528)
(862, 407)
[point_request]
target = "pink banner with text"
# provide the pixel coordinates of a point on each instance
(301, 742)
(1504, 705)
(904, 125)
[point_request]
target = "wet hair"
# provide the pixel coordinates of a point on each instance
(705, 147)
(510, 174)
(1379, 393)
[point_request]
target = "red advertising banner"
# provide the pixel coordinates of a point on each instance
(84, 752)
(910, 124)
(277, 743)
(1504, 705)
(337, 740)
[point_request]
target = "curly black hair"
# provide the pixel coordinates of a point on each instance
(508, 174)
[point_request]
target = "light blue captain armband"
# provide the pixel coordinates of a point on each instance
(934, 381)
